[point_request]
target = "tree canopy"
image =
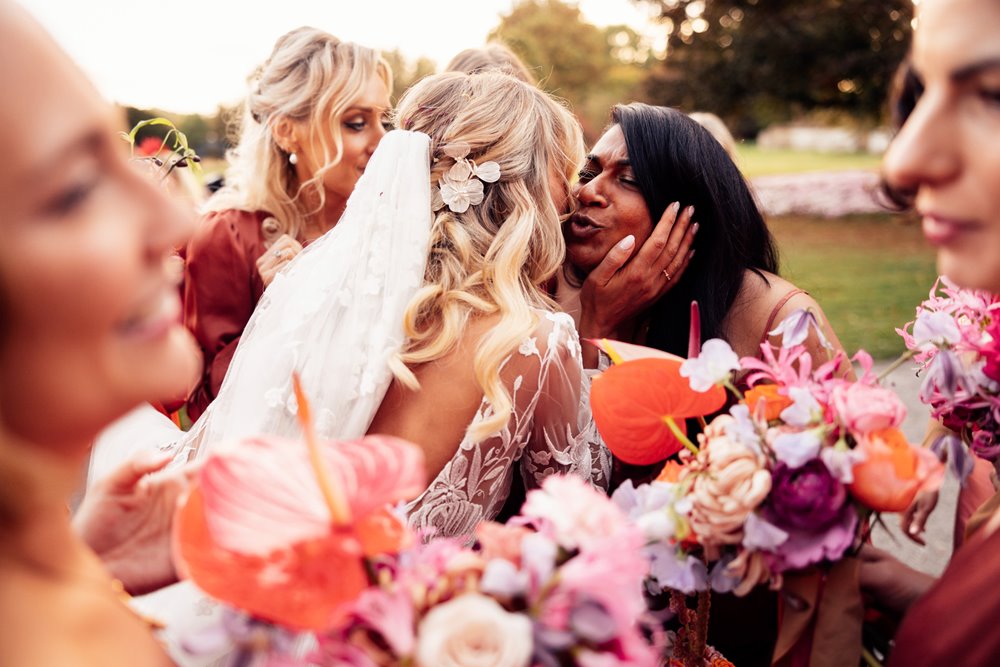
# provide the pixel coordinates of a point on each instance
(592, 68)
(761, 61)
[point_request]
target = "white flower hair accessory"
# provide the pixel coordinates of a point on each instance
(462, 185)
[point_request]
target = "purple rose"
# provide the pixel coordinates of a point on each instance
(805, 498)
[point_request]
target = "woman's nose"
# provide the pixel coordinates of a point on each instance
(927, 150)
(590, 194)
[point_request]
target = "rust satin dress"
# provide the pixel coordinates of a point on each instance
(221, 290)
(955, 623)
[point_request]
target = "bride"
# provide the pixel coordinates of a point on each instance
(421, 314)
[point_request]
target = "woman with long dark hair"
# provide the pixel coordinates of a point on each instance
(657, 164)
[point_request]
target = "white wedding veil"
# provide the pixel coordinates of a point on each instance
(335, 316)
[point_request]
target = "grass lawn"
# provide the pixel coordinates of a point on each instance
(867, 272)
(763, 162)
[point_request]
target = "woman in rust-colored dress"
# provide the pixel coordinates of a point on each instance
(945, 162)
(316, 111)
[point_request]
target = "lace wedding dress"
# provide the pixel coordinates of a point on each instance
(335, 315)
(550, 431)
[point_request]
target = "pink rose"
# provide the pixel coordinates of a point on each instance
(501, 540)
(864, 408)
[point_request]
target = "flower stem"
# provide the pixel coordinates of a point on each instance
(869, 658)
(903, 358)
(340, 511)
(731, 386)
(679, 434)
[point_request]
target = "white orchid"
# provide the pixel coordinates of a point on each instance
(794, 329)
(804, 410)
(713, 366)
(796, 448)
(935, 328)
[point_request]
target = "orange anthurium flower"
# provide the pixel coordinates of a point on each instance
(774, 402)
(281, 530)
(635, 402)
(893, 471)
(620, 352)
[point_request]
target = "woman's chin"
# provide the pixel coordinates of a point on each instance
(172, 370)
(970, 273)
(581, 262)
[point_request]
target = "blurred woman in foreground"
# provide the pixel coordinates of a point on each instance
(945, 162)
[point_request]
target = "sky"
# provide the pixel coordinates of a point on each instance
(190, 56)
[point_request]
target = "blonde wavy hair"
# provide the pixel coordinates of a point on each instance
(493, 56)
(493, 258)
(311, 77)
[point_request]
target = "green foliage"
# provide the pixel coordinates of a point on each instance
(755, 62)
(592, 68)
(180, 154)
(406, 73)
(205, 134)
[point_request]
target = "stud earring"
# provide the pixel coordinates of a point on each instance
(293, 159)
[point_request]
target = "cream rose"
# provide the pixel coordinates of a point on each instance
(728, 480)
(473, 630)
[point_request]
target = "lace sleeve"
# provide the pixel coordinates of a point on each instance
(563, 437)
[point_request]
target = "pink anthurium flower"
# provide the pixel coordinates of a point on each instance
(281, 529)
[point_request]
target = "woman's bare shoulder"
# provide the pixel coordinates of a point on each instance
(763, 300)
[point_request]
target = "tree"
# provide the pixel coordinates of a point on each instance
(591, 68)
(406, 73)
(755, 62)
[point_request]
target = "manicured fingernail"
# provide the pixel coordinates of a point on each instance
(689, 211)
(675, 207)
(691, 254)
(627, 242)
(694, 228)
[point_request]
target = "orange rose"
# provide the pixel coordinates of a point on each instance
(893, 471)
(671, 472)
(774, 402)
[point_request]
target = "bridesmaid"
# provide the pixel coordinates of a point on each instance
(945, 162)
(316, 111)
(89, 330)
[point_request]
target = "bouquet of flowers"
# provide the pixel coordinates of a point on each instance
(955, 341)
(318, 569)
(782, 481)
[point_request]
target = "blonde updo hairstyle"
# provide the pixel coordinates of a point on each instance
(311, 77)
(493, 258)
(493, 56)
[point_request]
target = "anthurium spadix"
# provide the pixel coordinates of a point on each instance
(641, 402)
(281, 528)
